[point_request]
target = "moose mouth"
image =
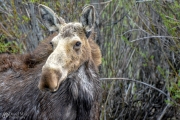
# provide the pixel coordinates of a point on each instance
(51, 79)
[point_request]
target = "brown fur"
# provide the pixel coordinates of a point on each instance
(26, 61)
(20, 75)
(76, 98)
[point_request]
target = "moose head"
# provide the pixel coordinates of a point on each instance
(71, 47)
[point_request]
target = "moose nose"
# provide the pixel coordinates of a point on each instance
(49, 80)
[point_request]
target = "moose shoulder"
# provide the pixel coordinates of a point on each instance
(59, 80)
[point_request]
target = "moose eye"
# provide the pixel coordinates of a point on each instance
(77, 45)
(51, 44)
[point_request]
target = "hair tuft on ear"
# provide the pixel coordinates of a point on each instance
(88, 19)
(49, 18)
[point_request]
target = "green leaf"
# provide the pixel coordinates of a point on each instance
(179, 83)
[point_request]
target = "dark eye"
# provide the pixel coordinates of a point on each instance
(77, 45)
(51, 44)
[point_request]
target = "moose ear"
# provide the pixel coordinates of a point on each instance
(50, 19)
(88, 19)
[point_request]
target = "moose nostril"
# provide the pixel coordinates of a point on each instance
(46, 88)
(43, 88)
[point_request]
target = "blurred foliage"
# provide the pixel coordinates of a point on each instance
(20, 20)
(141, 42)
(171, 20)
(8, 47)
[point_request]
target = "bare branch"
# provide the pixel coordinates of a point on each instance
(153, 37)
(144, 84)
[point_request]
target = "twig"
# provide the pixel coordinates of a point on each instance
(144, 84)
(164, 111)
(4, 11)
(105, 104)
(172, 18)
(130, 59)
(139, 1)
(5, 31)
(103, 2)
(134, 30)
(152, 37)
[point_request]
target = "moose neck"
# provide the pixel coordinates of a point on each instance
(83, 89)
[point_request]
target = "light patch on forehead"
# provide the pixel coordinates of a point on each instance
(75, 37)
(71, 29)
(63, 43)
(59, 57)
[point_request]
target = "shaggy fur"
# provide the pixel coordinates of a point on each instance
(76, 98)
(64, 67)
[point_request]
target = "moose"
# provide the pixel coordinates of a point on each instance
(57, 81)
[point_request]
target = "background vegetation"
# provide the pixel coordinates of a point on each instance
(140, 43)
